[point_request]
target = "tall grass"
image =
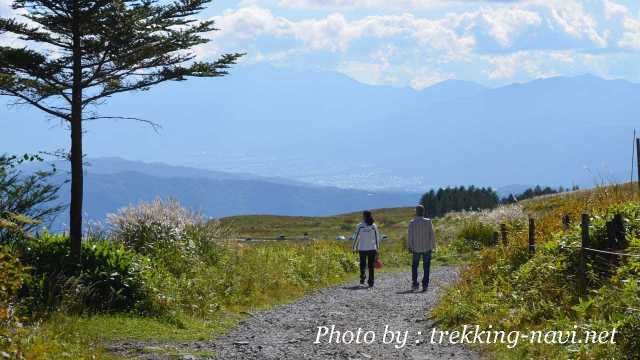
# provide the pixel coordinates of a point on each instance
(507, 288)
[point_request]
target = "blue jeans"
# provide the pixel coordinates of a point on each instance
(426, 265)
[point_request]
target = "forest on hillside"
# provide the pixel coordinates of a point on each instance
(444, 200)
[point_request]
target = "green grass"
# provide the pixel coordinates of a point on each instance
(392, 222)
(506, 288)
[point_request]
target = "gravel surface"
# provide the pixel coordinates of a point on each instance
(290, 331)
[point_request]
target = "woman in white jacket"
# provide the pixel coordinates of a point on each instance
(366, 241)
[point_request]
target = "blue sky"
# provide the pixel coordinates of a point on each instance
(418, 43)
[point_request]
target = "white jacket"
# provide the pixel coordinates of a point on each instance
(366, 238)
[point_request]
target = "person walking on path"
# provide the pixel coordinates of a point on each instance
(366, 241)
(421, 241)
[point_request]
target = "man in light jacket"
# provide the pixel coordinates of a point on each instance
(421, 241)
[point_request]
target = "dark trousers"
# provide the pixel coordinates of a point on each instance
(367, 259)
(426, 265)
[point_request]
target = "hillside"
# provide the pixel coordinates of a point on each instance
(561, 284)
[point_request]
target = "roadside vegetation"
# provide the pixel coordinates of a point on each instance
(157, 271)
(507, 289)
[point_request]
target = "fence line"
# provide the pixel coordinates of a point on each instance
(602, 261)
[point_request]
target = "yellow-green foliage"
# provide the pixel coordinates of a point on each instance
(12, 276)
(508, 289)
(246, 276)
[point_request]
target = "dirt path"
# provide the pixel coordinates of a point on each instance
(289, 331)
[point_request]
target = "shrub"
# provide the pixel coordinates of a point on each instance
(170, 234)
(475, 235)
(151, 227)
(108, 278)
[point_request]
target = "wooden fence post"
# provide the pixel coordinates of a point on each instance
(638, 151)
(566, 222)
(582, 268)
(532, 236)
(611, 235)
(612, 243)
(619, 232)
(503, 231)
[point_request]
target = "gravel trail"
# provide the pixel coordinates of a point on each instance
(289, 331)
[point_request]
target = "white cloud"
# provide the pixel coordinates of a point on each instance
(360, 4)
(530, 64)
(505, 23)
(335, 33)
(631, 34)
(572, 17)
(505, 67)
(384, 73)
(612, 9)
(631, 37)
(5, 7)
(562, 56)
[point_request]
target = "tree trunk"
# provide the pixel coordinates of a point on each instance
(75, 213)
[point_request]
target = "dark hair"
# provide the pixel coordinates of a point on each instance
(419, 210)
(368, 217)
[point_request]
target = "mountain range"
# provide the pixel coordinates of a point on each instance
(114, 183)
(327, 129)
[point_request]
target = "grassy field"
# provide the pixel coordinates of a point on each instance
(392, 222)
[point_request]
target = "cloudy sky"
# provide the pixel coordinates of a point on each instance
(420, 42)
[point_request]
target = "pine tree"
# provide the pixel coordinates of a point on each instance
(81, 52)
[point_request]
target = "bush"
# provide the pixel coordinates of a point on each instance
(170, 234)
(475, 235)
(108, 278)
(152, 227)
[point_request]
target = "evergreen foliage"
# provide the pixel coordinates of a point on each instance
(26, 200)
(438, 203)
(75, 54)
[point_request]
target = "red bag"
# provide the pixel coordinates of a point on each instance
(379, 263)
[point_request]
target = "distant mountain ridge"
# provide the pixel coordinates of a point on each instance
(325, 128)
(112, 183)
(116, 165)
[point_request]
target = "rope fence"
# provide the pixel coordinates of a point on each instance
(601, 262)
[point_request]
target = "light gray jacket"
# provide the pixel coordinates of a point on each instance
(422, 237)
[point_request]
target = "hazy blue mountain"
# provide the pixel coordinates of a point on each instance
(217, 196)
(117, 165)
(326, 128)
(513, 189)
